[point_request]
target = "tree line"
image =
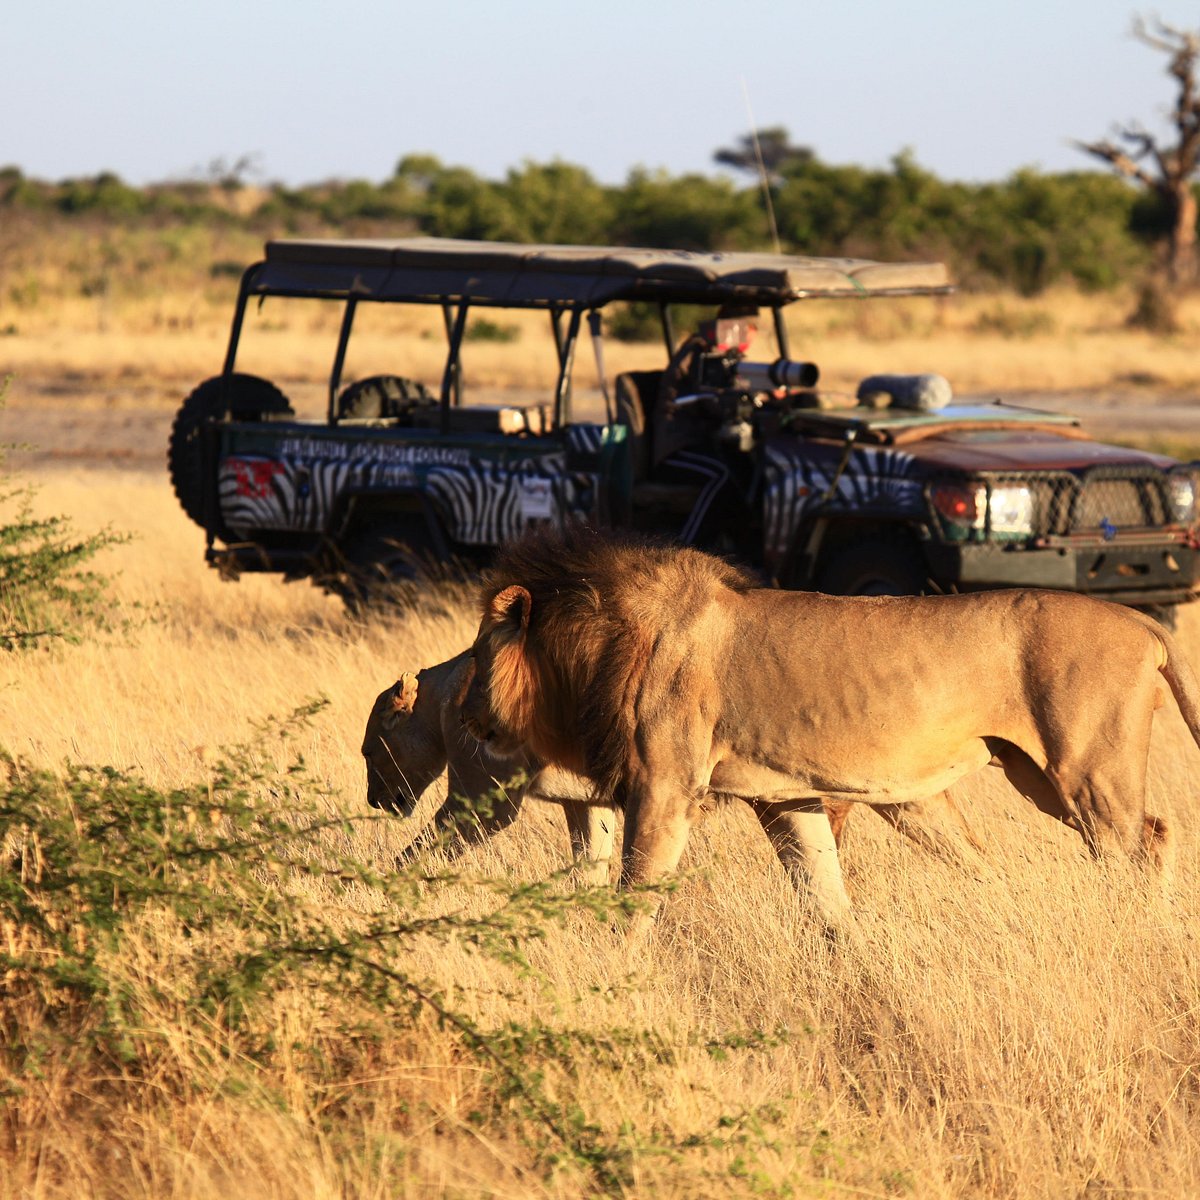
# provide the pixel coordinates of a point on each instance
(1027, 232)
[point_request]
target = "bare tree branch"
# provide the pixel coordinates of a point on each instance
(1141, 31)
(1174, 165)
(1120, 161)
(1144, 144)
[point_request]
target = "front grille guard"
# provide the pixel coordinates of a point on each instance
(1100, 504)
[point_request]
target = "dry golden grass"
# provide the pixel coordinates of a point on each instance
(1034, 1033)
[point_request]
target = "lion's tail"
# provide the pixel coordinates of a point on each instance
(1177, 671)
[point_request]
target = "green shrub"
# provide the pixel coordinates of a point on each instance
(215, 899)
(482, 329)
(46, 588)
(105, 193)
(635, 322)
(641, 321)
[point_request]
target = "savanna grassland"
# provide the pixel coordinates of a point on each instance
(236, 990)
(1031, 1032)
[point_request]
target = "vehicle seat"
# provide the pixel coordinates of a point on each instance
(635, 394)
(383, 397)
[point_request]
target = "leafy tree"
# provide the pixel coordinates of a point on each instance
(453, 201)
(1036, 229)
(360, 200)
(688, 212)
(767, 150)
(105, 193)
(1027, 231)
(826, 209)
(556, 202)
(418, 171)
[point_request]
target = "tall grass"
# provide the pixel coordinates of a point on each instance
(1034, 1032)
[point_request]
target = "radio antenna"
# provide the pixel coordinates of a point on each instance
(762, 170)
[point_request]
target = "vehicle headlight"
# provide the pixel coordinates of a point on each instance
(1181, 492)
(1010, 509)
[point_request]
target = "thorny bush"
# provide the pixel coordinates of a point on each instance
(242, 866)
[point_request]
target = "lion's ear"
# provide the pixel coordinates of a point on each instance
(404, 694)
(401, 701)
(511, 607)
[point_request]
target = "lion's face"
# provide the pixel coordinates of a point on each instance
(403, 747)
(499, 698)
(478, 717)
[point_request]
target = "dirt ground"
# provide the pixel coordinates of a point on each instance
(126, 424)
(53, 422)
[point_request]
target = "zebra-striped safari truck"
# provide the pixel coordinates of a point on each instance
(889, 488)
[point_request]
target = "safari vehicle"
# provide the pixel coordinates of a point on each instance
(893, 490)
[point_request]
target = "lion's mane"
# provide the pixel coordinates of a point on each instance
(599, 603)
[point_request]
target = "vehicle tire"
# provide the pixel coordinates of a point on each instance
(873, 567)
(250, 399)
(376, 562)
(382, 396)
(1167, 615)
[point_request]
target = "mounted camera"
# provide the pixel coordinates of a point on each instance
(786, 373)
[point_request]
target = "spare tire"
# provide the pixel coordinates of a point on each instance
(381, 396)
(249, 399)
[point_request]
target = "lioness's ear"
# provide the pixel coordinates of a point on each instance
(511, 607)
(404, 694)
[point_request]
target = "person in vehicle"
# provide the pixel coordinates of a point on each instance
(695, 441)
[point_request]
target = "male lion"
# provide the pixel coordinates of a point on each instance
(415, 731)
(667, 677)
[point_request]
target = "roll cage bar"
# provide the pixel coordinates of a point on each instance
(566, 281)
(455, 318)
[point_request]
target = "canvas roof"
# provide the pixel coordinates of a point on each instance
(434, 270)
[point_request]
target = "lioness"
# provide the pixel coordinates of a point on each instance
(666, 676)
(415, 731)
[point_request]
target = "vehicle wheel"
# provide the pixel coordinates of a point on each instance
(873, 567)
(250, 399)
(382, 396)
(1167, 615)
(377, 563)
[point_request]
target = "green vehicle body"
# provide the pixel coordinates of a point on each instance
(743, 458)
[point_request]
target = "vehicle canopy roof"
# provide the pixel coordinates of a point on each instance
(444, 270)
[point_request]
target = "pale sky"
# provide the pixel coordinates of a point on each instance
(317, 90)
